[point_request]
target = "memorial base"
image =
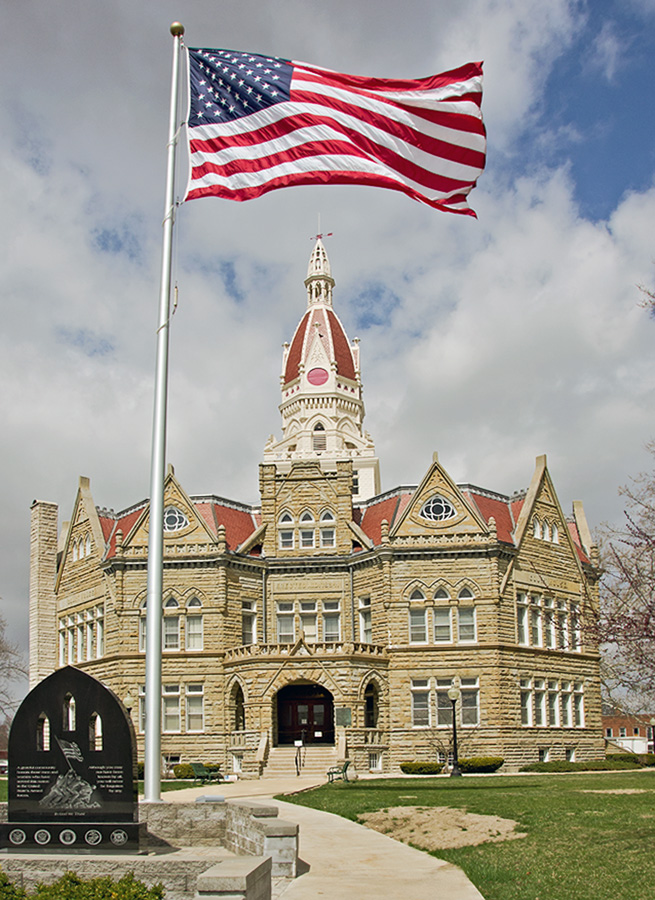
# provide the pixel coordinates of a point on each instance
(75, 837)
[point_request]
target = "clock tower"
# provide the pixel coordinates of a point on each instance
(322, 407)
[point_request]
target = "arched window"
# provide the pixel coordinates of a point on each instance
(371, 705)
(239, 709)
(194, 625)
(328, 535)
(554, 535)
(442, 618)
(466, 624)
(546, 531)
(75, 551)
(307, 534)
(87, 546)
(536, 528)
(95, 732)
(319, 438)
(69, 713)
(171, 626)
(285, 534)
(43, 732)
(418, 619)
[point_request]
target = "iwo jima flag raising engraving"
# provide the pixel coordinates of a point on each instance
(257, 123)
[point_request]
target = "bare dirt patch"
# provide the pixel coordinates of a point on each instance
(620, 791)
(439, 827)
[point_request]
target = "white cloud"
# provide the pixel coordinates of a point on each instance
(491, 341)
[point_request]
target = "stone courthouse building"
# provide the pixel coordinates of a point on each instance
(330, 612)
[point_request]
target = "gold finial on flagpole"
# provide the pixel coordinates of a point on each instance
(177, 29)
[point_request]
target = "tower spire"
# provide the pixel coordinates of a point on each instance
(322, 407)
(319, 281)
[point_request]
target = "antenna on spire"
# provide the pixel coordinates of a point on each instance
(320, 235)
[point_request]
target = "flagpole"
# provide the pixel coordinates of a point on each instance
(152, 786)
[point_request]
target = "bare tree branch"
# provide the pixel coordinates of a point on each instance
(12, 668)
(625, 623)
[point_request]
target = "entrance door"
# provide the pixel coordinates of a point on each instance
(305, 712)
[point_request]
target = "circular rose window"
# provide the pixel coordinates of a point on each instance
(317, 376)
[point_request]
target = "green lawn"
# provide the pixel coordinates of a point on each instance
(579, 846)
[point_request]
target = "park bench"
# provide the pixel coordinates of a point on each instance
(203, 774)
(336, 772)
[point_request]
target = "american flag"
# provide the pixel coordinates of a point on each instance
(70, 750)
(257, 123)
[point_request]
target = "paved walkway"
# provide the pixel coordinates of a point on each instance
(341, 860)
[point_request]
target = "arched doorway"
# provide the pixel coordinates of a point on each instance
(305, 712)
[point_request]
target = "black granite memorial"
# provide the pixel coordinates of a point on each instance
(72, 769)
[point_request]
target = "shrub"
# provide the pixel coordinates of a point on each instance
(140, 769)
(647, 759)
(183, 771)
(71, 887)
(624, 757)
(591, 765)
(481, 763)
(421, 768)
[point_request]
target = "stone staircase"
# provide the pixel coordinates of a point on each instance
(316, 760)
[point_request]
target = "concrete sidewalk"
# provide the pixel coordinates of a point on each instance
(342, 860)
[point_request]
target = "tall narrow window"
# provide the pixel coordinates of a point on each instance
(442, 629)
(285, 623)
(195, 710)
(69, 718)
(142, 708)
(248, 613)
(95, 732)
(319, 438)
(100, 631)
(171, 635)
(239, 709)
(171, 707)
(420, 703)
(285, 533)
(526, 701)
(308, 620)
(535, 621)
(328, 534)
(539, 703)
(522, 618)
(470, 700)
(563, 625)
(576, 631)
(418, 628)
(194, 625)
(578, 705)
(331, 621)
(553, 704)
(549, 624)
(566, 704)
(365, 629)
(43, 732)
(371, 706)
(466, 624)
(444, 703)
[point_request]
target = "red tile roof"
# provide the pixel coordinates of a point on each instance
(291, 370)
(499, 509)
(387, 508)
(342, 352)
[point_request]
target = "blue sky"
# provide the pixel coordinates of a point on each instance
(600, 94)
(490, 341)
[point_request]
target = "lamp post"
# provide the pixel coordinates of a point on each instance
(453, 696)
